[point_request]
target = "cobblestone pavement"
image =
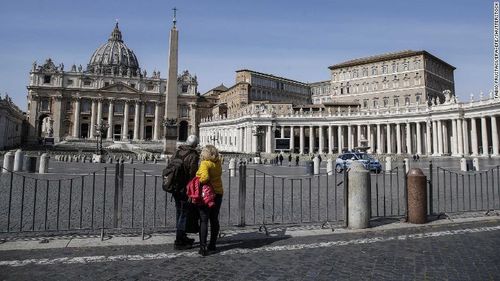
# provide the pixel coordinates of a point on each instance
(452, 252)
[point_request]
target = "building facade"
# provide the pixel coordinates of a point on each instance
(112, 89)
(418, 114)
(11, 124)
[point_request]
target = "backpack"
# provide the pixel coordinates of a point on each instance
(200, 195)
(174, 175)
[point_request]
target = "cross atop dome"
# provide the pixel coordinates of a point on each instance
(175, 16)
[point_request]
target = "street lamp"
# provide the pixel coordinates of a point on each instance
(101, 129)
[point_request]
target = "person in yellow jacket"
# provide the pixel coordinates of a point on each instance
(210, 172)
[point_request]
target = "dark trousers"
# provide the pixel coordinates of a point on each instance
(212, 215)
(180, 217)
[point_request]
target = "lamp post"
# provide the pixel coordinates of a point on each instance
(101, 129)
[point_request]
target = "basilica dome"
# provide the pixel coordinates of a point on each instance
(114, 57)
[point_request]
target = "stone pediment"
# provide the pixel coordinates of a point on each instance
(120, 88)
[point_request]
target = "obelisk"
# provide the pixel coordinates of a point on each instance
(171, 125)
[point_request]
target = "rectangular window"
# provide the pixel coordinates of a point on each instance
(106, 84)
(46, 79)
(150, 87)
(132, 85)
(86, 83)
(45, 104)
(70, 82)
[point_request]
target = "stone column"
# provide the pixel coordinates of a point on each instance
(358, 133)
(141, 125)
(454, 143)
(125, 120)
(311, 139)
(435, 146)
(408, 139)
(474, 142)
(428, 143)
(110, 119)
(340, 139)
(379, 137)
(349, 137)
(282, 132)
(321, 140)
(137, 120)
(484, 133)
(460, 137)
(99, 112)
(369, 137)
(398, 138)
(92, 119)
(156, 129)
(76, 118)
(389, 144)
(494, 135)
(465, 128)
(57, 118)
(444, 139)
(301, 141)
(269, 131)
(330, 139)
(419, 138)
(440, 136)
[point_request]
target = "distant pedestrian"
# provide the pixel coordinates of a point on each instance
(296, 160)
(414, 157)
(319, 157)
(281, 159)
(418, 157)
(276, 160)
(289, 160)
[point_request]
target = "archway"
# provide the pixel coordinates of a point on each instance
(44, 126)
(183, 130)
(149, 132)
(84, 130)
(117, 132)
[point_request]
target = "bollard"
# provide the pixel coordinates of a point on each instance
(463, 164)
(29, 164)
(388, 163)
(329, 167)
(417, 196)
(407, 165)
(359, 190)
(18, 161)
(8, 162)
(316, 165)
(232, 167)
(475, 163)
(44, 164)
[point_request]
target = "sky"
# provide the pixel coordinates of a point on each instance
(293, 39)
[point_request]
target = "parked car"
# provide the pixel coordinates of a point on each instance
(344, 161)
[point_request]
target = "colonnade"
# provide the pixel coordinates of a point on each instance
(96, 117)
(433, 136)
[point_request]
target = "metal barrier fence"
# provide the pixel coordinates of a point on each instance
(122, 198)
(459, 191)
(389, 196)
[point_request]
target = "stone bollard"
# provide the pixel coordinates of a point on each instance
(44, 164)
(388, 163)
(417, 196)
(18, 161)
(8, 162)
(329, 167)
(358, 197)
(29, 164)
(475, 164)
(155, 160)
(463, 164)
(407, 165)
(144, 160)
(131, 160)
(316, 165)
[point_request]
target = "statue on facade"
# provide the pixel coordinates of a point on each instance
(80, 68)
(61, 66)
(144, 73)
(34, 66)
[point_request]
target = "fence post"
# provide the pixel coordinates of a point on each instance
(431, 205)
(242, 193)
(118, 199)
(405, 192)
(346, 202)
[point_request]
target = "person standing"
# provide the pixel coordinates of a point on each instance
(296, 160)
(289, 160)
(210, 172)
(281, 159)
(190, 158)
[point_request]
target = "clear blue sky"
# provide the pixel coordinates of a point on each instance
(294, 39)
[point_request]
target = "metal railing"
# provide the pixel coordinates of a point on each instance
(462, 191)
